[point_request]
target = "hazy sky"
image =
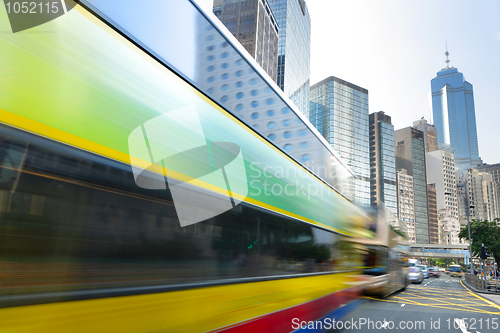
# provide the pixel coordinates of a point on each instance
(394, 48)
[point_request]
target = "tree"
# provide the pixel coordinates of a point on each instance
(483, 232)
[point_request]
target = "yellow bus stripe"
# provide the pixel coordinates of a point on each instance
(194, 310)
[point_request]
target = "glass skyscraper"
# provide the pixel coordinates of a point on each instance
(339, 111)
(382, 162)
(454, 115)
(294, 50)
(254, 26)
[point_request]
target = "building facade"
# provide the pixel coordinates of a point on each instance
(339, 111)
(441, 172)
(433, 214)
(490, 196)
(430, 134)
(382, 162)
(449, 227)
(410, 155)
(493, 169)
(294, 50)
(455, 116)
(254, 26)
(406, 204)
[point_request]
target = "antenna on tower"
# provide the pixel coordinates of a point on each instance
(447, 54)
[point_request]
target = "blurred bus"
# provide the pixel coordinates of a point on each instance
(455, 270)
(153, 178)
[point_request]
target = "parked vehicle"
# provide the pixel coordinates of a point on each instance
(415, 274)
(424, 271)
(432, 271)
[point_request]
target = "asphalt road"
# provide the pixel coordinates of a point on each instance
(437, 305)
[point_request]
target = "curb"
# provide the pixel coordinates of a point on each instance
(479, 291)
(483, 298)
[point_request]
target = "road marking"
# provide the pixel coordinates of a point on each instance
(461, 325)
(433, 306)
(444, 302)
(481, 298)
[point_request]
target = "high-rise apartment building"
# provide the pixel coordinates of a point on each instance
(254, 26)
(410, 155)
(430, 134)
(433, 214)
(491, 196)
(406, 204)
(441, 172)
(454, 115)
(493, 169)
(382, 162)
(294, 50)
(476, 197)
(339, 111)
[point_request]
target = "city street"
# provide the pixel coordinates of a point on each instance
(436, 305)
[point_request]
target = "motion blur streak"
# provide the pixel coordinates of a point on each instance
(84, 248)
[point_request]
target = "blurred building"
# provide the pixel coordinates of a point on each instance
(430, 134)
(476, 197)
(228, 79)
(254, 26)
(491, 196)
(406, 204)
(455, 116)
(339, 111)
(382, 162)
(449, 228)
(294, 50)
(410, 155)
(433, 214)
(493, 169)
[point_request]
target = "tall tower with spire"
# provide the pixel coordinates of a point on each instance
(454, 115)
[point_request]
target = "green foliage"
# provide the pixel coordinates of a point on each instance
(483, 232)
(444, 262)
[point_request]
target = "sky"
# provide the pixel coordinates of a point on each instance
(394, 48)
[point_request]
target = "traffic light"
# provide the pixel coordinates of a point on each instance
(484, 252)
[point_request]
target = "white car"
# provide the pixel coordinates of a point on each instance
(415, 274)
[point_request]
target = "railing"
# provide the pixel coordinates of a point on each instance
(477, 281)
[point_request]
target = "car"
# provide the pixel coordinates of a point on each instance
(415, 274)
(424, 271)
(455, 270)
(441, 269)
(432, 271)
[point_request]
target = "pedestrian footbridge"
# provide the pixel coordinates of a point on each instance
(452, 251)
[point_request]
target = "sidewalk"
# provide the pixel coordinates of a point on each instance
(491, 297)
(486, 294)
